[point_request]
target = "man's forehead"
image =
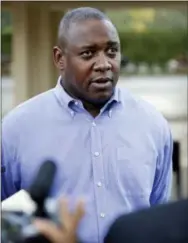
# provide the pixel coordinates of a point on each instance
(89, 31)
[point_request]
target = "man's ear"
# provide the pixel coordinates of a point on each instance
(59, 58)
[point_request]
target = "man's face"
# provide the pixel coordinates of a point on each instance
(91, 61)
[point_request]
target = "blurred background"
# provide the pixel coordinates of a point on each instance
(154, 42)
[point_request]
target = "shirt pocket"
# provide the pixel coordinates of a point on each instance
(135, 170)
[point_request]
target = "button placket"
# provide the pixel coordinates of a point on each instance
(98, 174)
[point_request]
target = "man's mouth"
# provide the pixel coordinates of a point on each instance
(102, 80)
(102, 83)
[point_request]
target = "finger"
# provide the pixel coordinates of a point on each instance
(79, 212)
(65, 215)
(49, 230)
(69, 220)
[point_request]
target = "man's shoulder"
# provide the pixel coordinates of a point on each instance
(28, 109)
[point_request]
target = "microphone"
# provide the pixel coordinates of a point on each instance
(41, 186)
(17, 227)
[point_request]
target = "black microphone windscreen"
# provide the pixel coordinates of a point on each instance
(41, 186)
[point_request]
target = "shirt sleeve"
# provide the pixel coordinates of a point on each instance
(163, 177)
(10, 170)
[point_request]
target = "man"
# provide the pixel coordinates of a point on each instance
(161, 224)
(111, 148)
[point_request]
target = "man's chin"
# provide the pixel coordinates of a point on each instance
(101, 99)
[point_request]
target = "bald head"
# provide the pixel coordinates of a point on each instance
(75, 16)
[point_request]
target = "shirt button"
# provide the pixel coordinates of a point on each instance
(99, 184)
(76, 102)
(102, 215)
(93, 124)
(96, 154)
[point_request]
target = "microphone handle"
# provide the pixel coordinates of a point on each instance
(37, 239)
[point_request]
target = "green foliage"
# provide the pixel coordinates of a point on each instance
(6, 32)
(147, 19)
(153, 47)
(6, 40)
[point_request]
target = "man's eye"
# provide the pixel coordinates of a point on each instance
(86, 54)
(112, 51)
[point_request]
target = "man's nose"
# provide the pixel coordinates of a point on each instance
(102, 64)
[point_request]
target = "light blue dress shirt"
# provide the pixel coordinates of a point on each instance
(118, 162)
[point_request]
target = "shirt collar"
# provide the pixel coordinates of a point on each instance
(66, 100)
(61, 94)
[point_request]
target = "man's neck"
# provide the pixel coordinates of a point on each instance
(93, 109)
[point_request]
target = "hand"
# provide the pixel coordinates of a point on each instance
(66, 232)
